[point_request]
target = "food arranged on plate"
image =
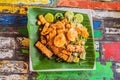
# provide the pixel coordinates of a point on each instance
(62, 35)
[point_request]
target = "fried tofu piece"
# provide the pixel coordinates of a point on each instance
(25, 42)
(63, 56)
(66, 52)
(42, 19)
(44, 49)
(59, 25)
(43, 40)
(57, 52)
(52, 34)
(38, 23)
(64, 21)
(45, 29)
(82, 31)
(70, 59)
(75, 48)
(54, 48)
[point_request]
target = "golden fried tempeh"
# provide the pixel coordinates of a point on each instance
(57, 52)
(45, 29)
(63, 56)
(43, 40)
(42, 19)
(44, 49)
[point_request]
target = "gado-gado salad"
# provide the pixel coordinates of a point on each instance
(62, 35)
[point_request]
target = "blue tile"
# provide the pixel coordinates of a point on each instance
(97, 24)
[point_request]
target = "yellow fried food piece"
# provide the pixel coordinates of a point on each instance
(44, 49)
(72, 34)
(82, 31)
(38, 23)
(25, 42)
(42, 19)
(59, 25)
(45, 29)
(43, 40)
(68, 26)
(63, 56)
(52, 34)
(66, 52)
(60, 40)
(75, 48)
(60, 31)
(85, 33)
(64, 21)
(75, 59)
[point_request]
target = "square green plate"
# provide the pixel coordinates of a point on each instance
(39, 62)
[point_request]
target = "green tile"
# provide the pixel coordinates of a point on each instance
(98, 34)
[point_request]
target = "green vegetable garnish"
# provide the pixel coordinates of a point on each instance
(78, 18)
(59, 16)
(49, 17)
(69, 15)
(86, 47)
(80, 37)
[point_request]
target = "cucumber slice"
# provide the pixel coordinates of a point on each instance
(49, 17)
(78, 18)
(69, 15)
(59, 16)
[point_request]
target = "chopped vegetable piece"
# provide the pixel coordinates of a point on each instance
(49, 17)
(75, 59)
(69, 15)
(59, 16)
(78, 18)
(25, 51)
(75, 54)
(83, 55)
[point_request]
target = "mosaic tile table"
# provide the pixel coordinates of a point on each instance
(14, 46)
